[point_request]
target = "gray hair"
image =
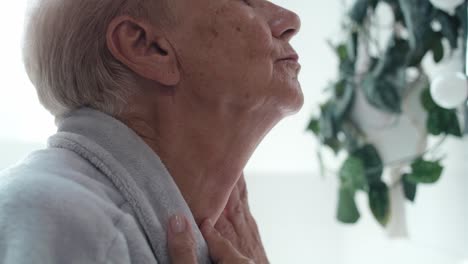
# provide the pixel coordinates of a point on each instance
(67, 59)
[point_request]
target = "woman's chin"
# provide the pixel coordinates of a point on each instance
(292, 100)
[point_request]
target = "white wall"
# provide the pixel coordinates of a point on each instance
(438, 222)
(294, 206)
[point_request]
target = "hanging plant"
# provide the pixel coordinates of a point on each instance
(418, 29)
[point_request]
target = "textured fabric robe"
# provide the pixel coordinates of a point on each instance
(96, 194)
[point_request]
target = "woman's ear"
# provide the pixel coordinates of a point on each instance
(143, 49)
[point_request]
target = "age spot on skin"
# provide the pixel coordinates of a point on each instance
(215, 33)
(238, 29)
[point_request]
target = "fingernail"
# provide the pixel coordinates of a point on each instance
(178, 224)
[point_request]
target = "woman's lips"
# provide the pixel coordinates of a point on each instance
(291, 61)
(293, 57)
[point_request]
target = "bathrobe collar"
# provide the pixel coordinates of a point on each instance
(135, 170)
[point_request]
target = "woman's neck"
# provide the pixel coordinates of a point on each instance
(205, 154)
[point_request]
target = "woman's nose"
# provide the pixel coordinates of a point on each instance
(284, 24)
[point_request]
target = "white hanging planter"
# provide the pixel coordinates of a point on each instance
(396, 138)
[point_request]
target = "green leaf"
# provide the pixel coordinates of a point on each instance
(347, 68)
(379, 202)
(333, 143)
(409, 188)
(424, 172)
(352, 174)
(346, 56)
(453, 126)
(326, 122)
(373, 165)
(314, 126)
(342, 52)
(383, 86)
(395, 57)
(343, 100)
(438, 51)
(435, 123)
(382, 93)
(430, 41)
(358, 12)
(347, 211)
(346, 63)
(450, 27)
(443, 121)
(418, 17)
(329, 127)
(354, 137)
(374, 62)
(332, 115)
(427, 101)
(339, 89)
(440, 120)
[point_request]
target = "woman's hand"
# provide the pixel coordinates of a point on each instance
(237, 225)
(182, 244)
(235, 238)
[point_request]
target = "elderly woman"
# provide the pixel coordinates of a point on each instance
(159, 105)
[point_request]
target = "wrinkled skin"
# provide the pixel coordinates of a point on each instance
(215, 81)
(238, 225)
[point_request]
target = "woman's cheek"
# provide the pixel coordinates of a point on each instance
(260, 41)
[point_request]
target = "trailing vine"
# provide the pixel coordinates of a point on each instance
(418, 29)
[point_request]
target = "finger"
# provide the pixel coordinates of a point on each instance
(226, 229)
(238, 200)
(181, 244)
(221, 250)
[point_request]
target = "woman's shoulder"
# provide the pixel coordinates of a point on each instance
(51, 173)
(56, 185)
(51, 191)
(49, 212)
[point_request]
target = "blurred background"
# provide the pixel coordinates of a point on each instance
(294, 205)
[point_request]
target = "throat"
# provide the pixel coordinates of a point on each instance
(206, 194)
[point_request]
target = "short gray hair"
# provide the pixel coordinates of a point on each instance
(66, 55)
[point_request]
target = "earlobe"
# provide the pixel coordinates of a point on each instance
(143, 49)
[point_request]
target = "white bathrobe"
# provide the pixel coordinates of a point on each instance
(97, 194)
